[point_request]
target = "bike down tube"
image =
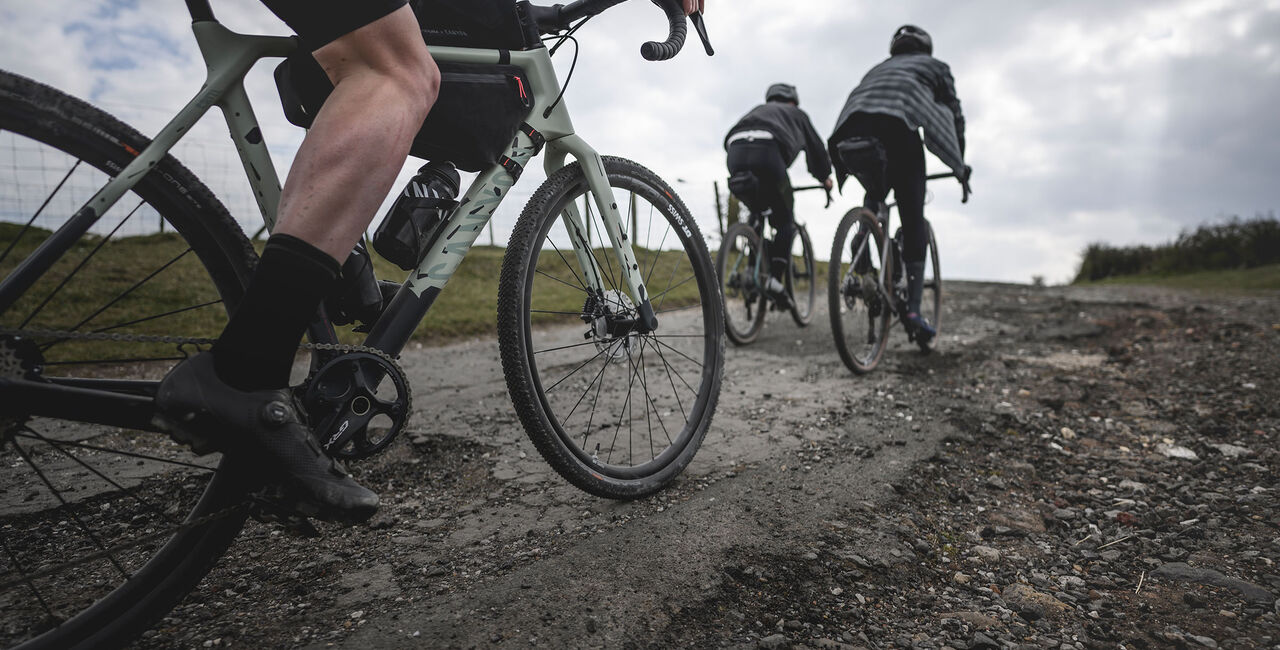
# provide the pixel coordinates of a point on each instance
(229, 56)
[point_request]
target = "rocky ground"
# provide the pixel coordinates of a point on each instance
(1074, 468)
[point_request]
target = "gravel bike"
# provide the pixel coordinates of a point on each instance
(610, 330)
(867, 285)
(743, 267)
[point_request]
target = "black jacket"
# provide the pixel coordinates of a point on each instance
(919, 90)
(792, 130)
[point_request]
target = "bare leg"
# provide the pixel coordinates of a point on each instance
(236, 396)
(384, 84)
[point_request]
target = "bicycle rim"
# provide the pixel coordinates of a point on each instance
(860, 309)
(618, 415)
(741, 267)
(802, 278)
(95, 547)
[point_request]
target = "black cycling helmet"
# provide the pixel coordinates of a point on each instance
(910, 39)
(782, 93)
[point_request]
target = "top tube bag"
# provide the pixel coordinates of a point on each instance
(488, 24)
(479, 108)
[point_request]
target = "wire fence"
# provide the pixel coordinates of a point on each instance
(36, 179)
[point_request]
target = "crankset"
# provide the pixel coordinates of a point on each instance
(357, 403)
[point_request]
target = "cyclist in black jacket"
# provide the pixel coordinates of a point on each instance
(908, 91)
(765, 142)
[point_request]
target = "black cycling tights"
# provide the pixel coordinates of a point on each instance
(762, 158)
(906, 176)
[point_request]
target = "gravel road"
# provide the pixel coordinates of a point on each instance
(1073, 468)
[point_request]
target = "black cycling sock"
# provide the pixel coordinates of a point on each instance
(915, 286)
(256, 349)
(778, 268)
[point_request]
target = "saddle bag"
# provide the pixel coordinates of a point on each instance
(744, 185)
(479, 107)
(864, 158)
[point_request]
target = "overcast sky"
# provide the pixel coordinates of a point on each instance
(1108, 120)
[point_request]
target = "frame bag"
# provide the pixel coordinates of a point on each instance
(480, 107)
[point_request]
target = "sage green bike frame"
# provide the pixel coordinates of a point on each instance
(229, 56)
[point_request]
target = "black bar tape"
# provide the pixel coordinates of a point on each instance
(653, 51)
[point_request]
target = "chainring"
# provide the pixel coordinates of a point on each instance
(349, 406)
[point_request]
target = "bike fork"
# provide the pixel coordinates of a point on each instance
(598, 182)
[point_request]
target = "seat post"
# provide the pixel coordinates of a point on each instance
(200, 11)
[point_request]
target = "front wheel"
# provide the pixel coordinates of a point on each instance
(856, 293)
(802, 278)
(742, 268)
(617, 413)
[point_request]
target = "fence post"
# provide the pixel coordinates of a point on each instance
(719, 209)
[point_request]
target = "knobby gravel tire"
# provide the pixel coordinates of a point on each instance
(545, 425)
(855, 221)
(802, 303)
(38, 113)
(742, 331)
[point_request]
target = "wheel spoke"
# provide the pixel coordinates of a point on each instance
(84, 262)
(70, 510)
(45, 204)
(128, 291)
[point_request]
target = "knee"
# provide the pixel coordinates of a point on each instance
(419, 80)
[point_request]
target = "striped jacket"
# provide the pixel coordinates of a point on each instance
(919, 90)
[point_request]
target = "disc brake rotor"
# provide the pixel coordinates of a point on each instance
(604, 315)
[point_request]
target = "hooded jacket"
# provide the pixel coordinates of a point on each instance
(919, 90)
(792, 130)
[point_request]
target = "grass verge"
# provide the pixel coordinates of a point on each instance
(1262, 278)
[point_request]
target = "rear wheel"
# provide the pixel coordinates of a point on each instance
(802, 278)
(104, 530)
(931, 304)
(616, 412)
(860, 308)
(742, 267)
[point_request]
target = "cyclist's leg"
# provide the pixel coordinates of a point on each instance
(774, 198)
(384, 83)
(868, 125)
(783, 220)
(907, 176)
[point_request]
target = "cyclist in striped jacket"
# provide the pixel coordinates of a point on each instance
(908, 91)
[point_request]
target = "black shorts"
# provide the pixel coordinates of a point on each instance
(320, 22)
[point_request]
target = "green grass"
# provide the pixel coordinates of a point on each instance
(1262, 278)
(466, 308)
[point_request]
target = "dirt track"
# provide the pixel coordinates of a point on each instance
(964, 499)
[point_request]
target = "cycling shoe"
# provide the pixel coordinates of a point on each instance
(265, 426)
(920, 327)
(777, 291)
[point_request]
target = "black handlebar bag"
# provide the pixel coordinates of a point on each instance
(479, 108)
